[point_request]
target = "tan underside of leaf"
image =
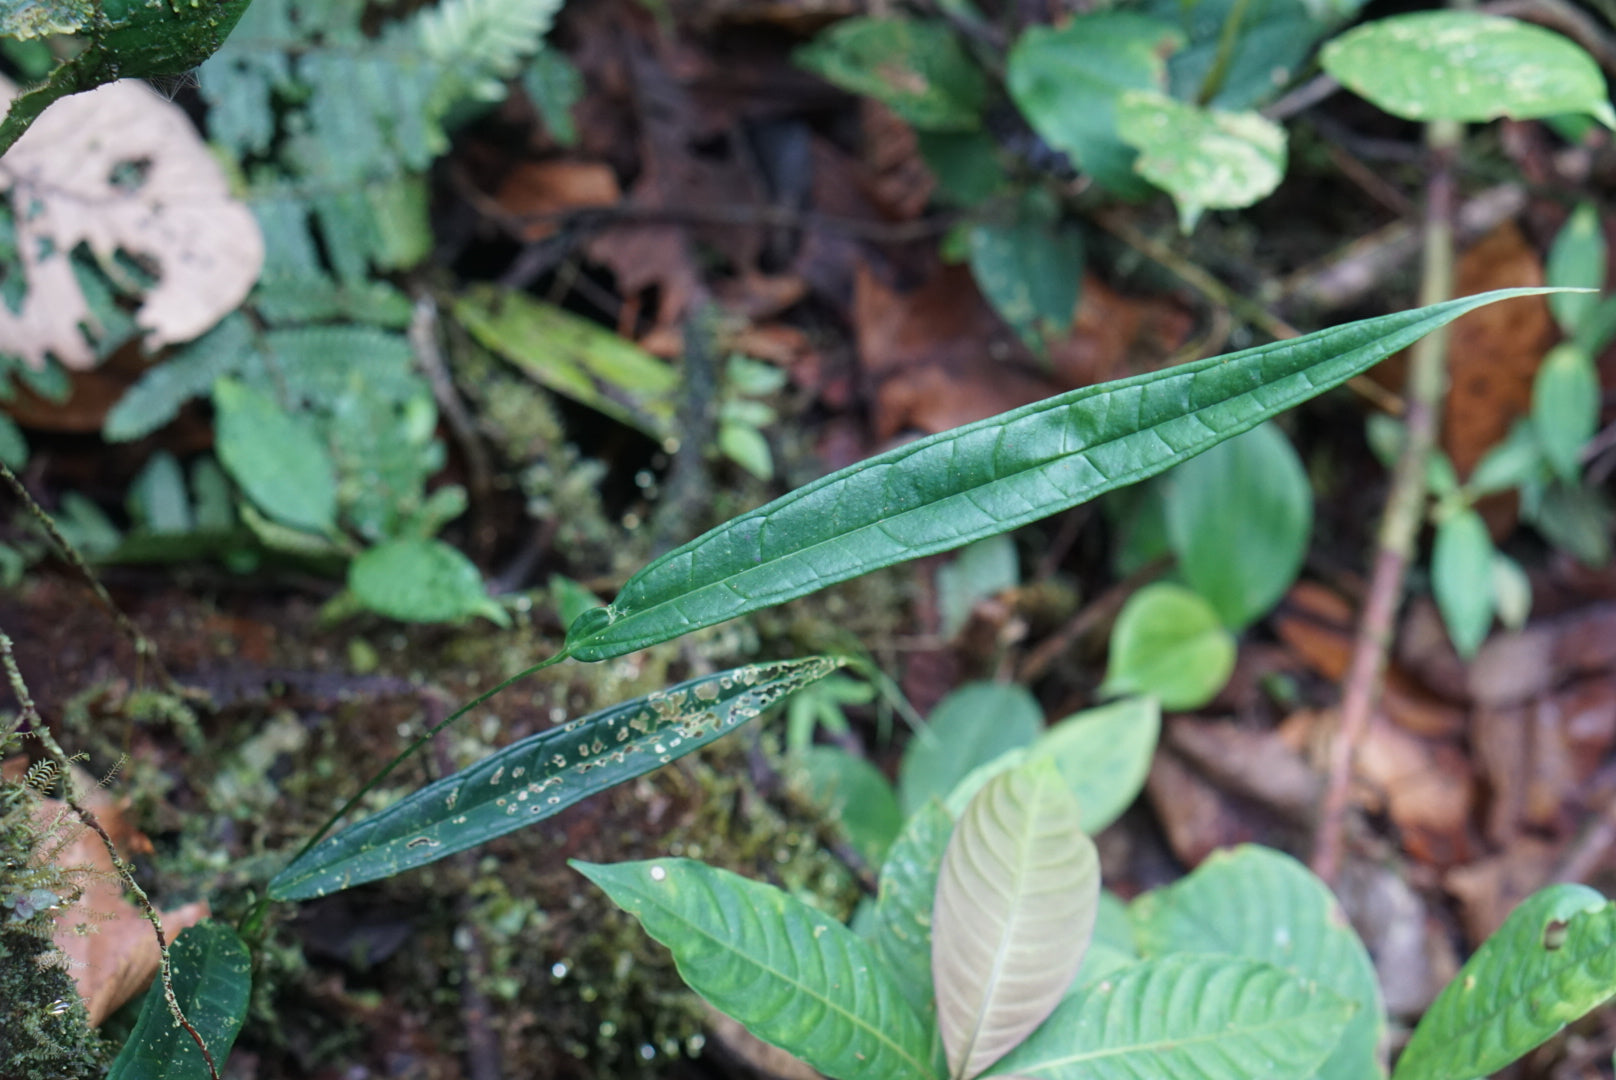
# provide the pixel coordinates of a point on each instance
(181, 219)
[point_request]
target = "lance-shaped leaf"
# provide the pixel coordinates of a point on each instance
(1190, 1018)
(542, 775)
(985, 478)
(901, 928)
(1016, 901)
(1263, 905)
(1553, 960)
(793, 976)
(212, 980)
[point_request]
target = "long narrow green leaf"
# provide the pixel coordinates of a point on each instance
(1553, 960)
(1263, 905)
(212, 980)
(1016, 901)
(1187, 1017)
(792, 975)
(985, 478)
(542, 775)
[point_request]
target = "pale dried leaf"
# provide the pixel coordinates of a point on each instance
(172, 211)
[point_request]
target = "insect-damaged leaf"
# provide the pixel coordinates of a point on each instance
(985, 478)
(542, 775)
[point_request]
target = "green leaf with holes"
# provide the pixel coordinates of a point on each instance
(212, 980)
(543, 774)
(975, 481)
(792, 975)
(1462, 65)
(1552, 961)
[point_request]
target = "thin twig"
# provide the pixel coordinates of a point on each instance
(1404, 505)
(428, 349)
(1089, 617)
(28, 713)
(145, 649)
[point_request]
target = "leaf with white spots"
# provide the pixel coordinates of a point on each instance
(1462, 65)
(1203, 158)
(1263, 905)
(543, 774)
(792, 975)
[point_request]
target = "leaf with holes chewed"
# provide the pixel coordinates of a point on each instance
(122, 172)
(1552, 961)
(975, 481)
(1263, 905)
(1190, 1018)
(543, 774)
(1016, 902)
(793, 976)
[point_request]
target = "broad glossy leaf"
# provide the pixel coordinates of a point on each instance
(1462, 579)
(212, 979)
(1461, 65)
(792, 975)
(970, 727)
(1203, 158)
(1240, 517)
(942, 492)
(1552, 961)
(422, 581)
(1016, 900)
(901, 928)
(1190, 1018)
(1030, 268)
(856, 797)
(1262, 905)
(1565, 407)
(1577, 261)
(915, 67)
(277, 458)
(1168, 643)
(542, 775)
(1067, 81)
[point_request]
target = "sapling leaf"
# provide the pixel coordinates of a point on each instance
(1552, 961)
(973, 725)
(900, 929)
(417, 580)
(1016, 900)
(793, 976)
(915, 67)
(1168, 643)
(856, 797)
(1259, 904)
(989, 477)
(1240, 516)
(1577, 261)
(1030, 268)
(212, 980)
(543, 774)
(1462, 65)
(1462, 579)
(1188, 1017)
(278, 458)
(1565, 407)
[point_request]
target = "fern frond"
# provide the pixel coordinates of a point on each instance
(485, 41)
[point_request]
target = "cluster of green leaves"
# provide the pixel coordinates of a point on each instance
(1158, 95)
(1541, 460)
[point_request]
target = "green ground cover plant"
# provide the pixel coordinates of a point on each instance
(991, 946)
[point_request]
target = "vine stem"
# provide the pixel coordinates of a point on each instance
(28, 713)
(145, 649)
(1400, 524)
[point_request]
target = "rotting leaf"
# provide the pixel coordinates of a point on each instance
(121, 171)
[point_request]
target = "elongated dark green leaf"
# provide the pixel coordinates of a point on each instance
(1190, 1018)
(1553, 960)
(542, 775)
(212, 979)
(1016, 900)
(792, 975)
(1263, 905)
(989, 477)
(901, 928)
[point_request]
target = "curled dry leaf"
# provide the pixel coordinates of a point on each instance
(121, 170)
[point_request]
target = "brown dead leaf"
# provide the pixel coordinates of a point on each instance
(120, 169)
(899, 181)
(1489, 889)
(1252, 763)
(1493, 353)
(536, 188)
(1197, 818)
(111, 948)
(1425, 786)
(1516, 667)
